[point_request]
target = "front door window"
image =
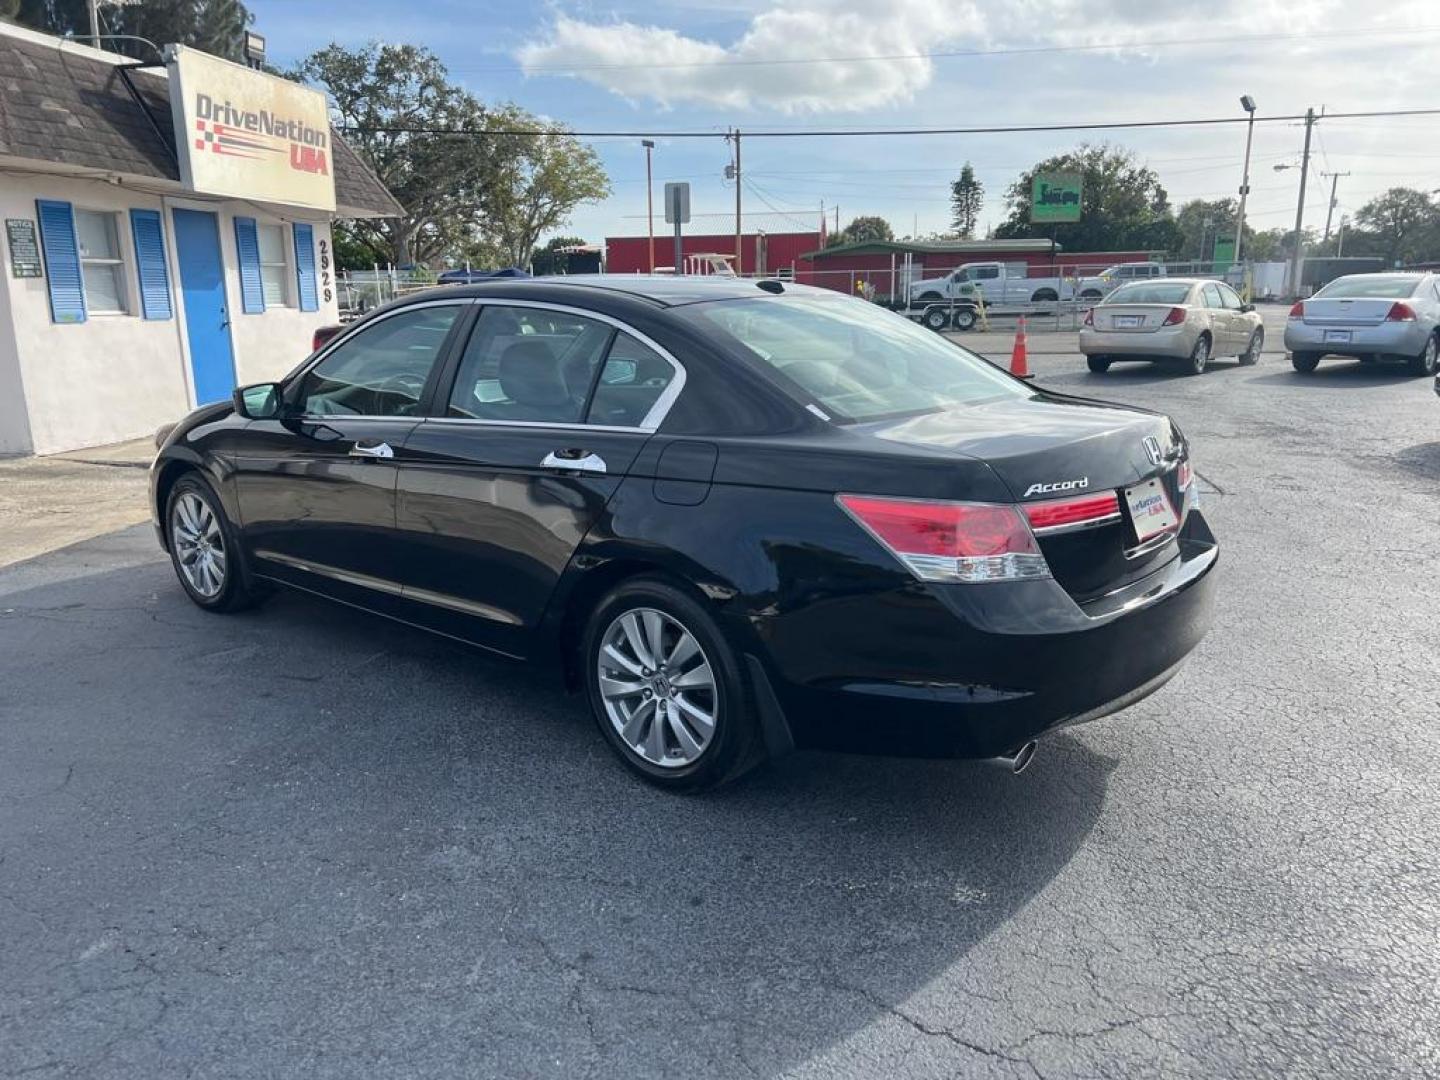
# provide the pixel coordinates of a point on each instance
(382, 370)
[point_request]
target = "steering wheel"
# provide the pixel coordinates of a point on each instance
(404, 384)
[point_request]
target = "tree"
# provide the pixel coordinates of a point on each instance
(1201, 223)
(1123, 205)
(547, 173)
(475, 182)
(967, 199)
(862, 230)
(547, 260)
(214, 26)
(1404, 222)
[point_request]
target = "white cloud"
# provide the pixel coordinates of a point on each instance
(624, 57)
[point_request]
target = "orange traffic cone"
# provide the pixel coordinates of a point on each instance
(1018, 359)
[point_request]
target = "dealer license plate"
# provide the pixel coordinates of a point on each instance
(1337, 335)
(1128, 322)
(1150, 510)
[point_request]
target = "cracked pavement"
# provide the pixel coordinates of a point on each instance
(306, 842)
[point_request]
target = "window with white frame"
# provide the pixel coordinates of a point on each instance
(275, 273)
(102, 263)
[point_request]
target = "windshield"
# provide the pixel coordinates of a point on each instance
(853, 359)
(1149, 292)
(1377, 286)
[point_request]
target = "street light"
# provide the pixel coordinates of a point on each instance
(649, 145)
(1248, 104)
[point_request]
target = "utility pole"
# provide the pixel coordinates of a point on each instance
(649, 145)
(739, 253)
(95, 24)
(1330, 210)
(1294, 281)
(1248, 104)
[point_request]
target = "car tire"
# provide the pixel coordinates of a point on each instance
(963, 319)
(1098, 364)
(654, 722)
(1305, 362)
(936, 319)
(1251, 355)
(204, 548)
(1091, 294)
(1199, 356)
(1044, 296)
(1426, 362)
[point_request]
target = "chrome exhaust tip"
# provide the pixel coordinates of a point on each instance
(1017, 761)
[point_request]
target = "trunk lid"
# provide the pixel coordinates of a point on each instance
(1130, 318)
(1045, 448)
(1344, 312)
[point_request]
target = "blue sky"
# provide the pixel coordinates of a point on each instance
(710, 64)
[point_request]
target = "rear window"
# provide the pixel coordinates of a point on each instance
(1378, 286)
(1149, 292)
(855, 360)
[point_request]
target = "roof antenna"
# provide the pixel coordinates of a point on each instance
(771, 286)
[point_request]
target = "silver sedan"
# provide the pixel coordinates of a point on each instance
(1187, 319)
(1371, 316)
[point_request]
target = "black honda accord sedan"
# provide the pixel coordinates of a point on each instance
(739, 516)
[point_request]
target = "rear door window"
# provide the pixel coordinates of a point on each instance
(534, 365)
(1212, 298)
(631, 383)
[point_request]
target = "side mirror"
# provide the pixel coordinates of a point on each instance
(261, 401)
(1245, 309)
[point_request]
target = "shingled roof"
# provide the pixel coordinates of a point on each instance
(63, 104)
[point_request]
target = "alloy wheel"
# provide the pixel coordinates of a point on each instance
(1200, 355)
(658, 687)
(199, 544)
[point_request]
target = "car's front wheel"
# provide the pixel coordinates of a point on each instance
(1251, 355)
(203, 548)
(1425, 363)
(1305, 362)
(666, 689)
(1098, 364)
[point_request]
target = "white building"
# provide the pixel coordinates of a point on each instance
(167, 236)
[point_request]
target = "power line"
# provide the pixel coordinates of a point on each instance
(777, 133)
(949, 54)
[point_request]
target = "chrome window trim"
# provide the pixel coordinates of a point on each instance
(648, 425)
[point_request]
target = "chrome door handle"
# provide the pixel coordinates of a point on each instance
(372, 450)
(573, 461)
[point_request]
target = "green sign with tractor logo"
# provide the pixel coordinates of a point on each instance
(1055, 198)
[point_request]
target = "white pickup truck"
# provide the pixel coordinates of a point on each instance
(1000, 283)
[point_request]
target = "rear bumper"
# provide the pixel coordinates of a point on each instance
(1170, 342)
(1400, 338)
(976, 670)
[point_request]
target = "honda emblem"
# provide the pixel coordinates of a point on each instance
(1152, 449)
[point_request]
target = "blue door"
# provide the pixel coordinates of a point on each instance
(207, 318)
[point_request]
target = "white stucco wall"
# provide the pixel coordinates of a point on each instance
(118, 377)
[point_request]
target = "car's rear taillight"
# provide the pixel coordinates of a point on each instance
(1089, 316)
(951, 541)
(1082, 512)
(1175, 318)
(1297, 311)
(322, 336)
(1400, 313)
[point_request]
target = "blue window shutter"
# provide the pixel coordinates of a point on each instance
(150, 264)
(62, 261)
(252, 294)
(305, 267)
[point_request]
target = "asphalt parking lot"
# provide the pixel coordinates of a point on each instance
(305, 842)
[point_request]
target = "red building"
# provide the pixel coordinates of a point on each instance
(883, 264)
(762, 253)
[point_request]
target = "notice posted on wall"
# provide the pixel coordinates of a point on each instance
(24, 248)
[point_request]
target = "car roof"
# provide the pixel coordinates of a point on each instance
(1173, 281)
(663, 290)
